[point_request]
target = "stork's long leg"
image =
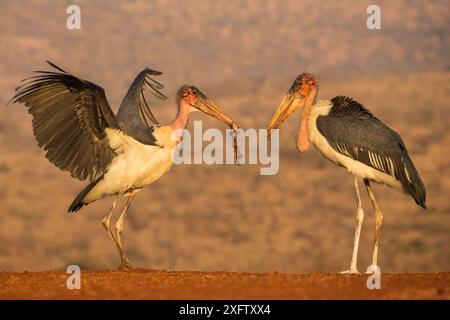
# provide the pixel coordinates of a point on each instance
(359, 217)
(106, 222)
(125, 263)
(107, 219)
(378, 223)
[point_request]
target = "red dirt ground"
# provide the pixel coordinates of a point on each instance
(151, 284)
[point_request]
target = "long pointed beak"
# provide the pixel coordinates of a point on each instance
(289, 104)
(210, 108)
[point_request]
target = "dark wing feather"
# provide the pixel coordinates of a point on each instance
(69, 119)
(354, 132)
(134, 114)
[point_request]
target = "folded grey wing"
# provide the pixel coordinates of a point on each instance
(70, 116)
(353, 131)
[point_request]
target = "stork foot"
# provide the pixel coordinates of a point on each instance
(125, 265)
(373, 269)
(350, 271)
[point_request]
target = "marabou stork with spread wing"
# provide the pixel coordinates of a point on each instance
(346, 133)
(119, 154)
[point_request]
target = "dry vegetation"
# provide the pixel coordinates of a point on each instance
(229, 217)
(203, 217)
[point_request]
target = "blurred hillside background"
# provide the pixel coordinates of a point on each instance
(244, 55)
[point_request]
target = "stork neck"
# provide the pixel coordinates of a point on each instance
(303, 143)
(182, 117)
(311, 99)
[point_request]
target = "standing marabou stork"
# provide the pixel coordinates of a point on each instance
(346, 133)
(119, 154)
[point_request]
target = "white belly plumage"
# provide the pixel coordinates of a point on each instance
(135, 165)
(357, 168)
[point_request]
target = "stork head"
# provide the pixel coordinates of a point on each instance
(303, 86)
(192, 98)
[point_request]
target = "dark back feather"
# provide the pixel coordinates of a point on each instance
(353, 131)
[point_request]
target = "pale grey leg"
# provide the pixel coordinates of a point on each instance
(125, 263)
(359, 221)
(107, 219)
(378, 223)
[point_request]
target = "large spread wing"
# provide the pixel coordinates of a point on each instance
(354, 132)
(134, 113)
(70, 116)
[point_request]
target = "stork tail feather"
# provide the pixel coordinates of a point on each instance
(413, 183)
(78, 202)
